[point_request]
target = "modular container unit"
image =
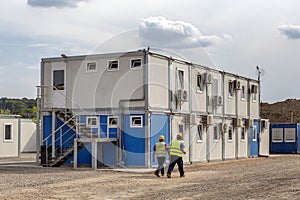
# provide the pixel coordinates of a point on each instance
(284, 138)
(110, 109)
(16, 135)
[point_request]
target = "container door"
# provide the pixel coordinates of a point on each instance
(133, 134)
(290, 138)
(178, 126)
(159, 125)
(58, 83)
(253, 139)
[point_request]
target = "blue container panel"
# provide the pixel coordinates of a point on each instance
(47, 129)
(134, 143)
(84, 156)
(298, 138)
(109, 153)
(68, 134)
(282, 147)
(113, 132)
(254, 144)
(103, 126)
(160, 125)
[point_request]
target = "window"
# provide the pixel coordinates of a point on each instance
(8, 132)
(136, 121)
(230, 89)
(289, 135)
(59, 79)
(199, 135)
(254, 134)
(135, 63)
(230, 133)
(113, 65)
(200, 82)
(91, 67)
(112, 122)
(91, 122)
(243, 133)
(216, 134)
(243, 93)
(180, 79)
(180, 128)
(277, 134)
(254, 97)
(215, 87)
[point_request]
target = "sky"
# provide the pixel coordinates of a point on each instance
(232, 35)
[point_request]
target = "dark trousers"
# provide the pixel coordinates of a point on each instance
(160, 168)
(176, 160)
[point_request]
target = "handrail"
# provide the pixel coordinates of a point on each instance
(70, 128)
(53, 132)
(56, 89)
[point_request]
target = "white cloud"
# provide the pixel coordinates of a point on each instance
(290, 31)
(38, 45)
(55, 3)
(175, 34)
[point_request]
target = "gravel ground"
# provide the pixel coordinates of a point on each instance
(275, 177)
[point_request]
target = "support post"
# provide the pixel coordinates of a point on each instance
(94, 154)
(53, 133)
(75, 154)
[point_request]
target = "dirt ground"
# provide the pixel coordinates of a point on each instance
(275, 177)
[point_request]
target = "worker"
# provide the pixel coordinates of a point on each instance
(160, 150)
(176, 151)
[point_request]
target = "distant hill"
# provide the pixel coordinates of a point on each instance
(287, 111)
(24, 107)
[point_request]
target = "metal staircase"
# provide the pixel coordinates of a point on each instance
(64, 148)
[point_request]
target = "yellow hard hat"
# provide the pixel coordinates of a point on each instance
(179, 135)
(161, 137)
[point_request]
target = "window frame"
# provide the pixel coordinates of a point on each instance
(216, 133)
(132, 125)
(243, 134)
(180, 124)
(230, 133)
(91, 125)
(54, 80)
(243, 93)
(112, 69)
(112, 125)
(277, 131)
(138, 67)
(254, 136)
(230, 89)
(87, 66)
(287, 140)
(254, 97)
(11, 132)
(199, 134)
(180, 83)
(199, 84)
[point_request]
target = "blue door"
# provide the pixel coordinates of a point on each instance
(159, 125)
(254, 140)
(134, 139)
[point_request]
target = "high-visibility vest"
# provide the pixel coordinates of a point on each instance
(175, 149)
(161, 149)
